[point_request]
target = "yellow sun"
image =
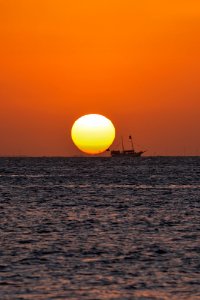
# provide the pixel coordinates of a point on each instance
(93, 133)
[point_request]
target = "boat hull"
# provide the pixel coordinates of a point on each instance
(126, 154)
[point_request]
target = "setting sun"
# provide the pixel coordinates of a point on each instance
(93, 133)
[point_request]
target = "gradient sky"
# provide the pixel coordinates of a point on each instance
(136, 62)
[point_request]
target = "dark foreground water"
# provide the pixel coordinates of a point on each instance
(100, 228)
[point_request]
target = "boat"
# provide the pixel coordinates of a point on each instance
(126, 153)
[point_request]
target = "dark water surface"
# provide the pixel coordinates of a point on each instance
(100, 228)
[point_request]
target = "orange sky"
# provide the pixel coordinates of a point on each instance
(136, 62)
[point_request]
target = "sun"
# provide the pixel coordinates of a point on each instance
(93, 133)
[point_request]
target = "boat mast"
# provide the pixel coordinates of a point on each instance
(130, 138)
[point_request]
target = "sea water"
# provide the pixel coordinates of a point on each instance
(100, 228)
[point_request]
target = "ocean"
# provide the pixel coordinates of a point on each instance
(100, 228)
